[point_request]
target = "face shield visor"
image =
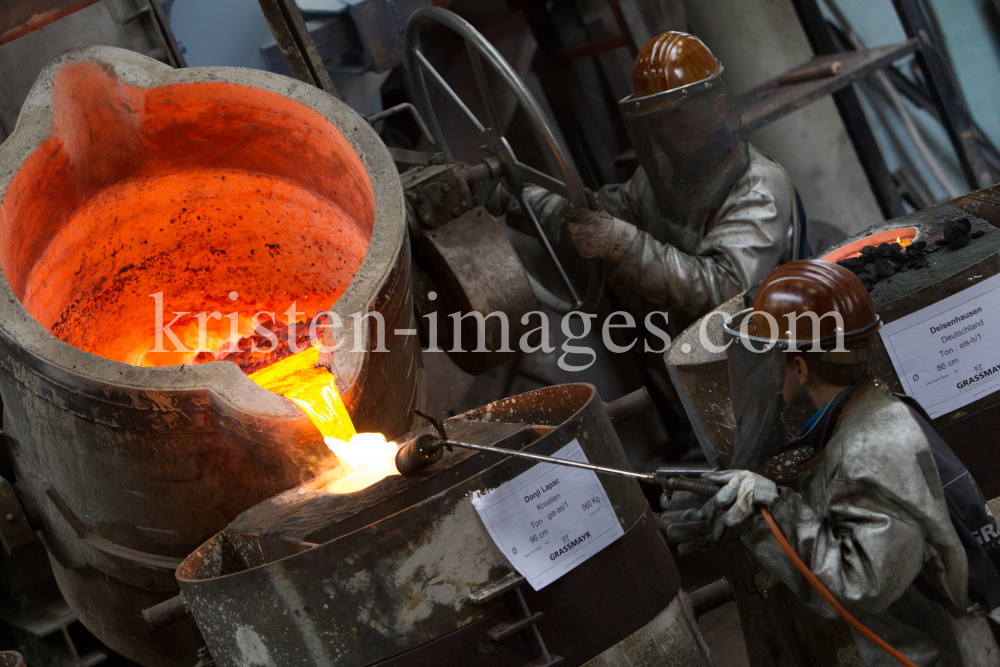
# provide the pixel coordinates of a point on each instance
(756, 376)
(757, 368)
(690, 142)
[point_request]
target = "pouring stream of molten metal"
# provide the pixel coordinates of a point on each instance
(365, 457)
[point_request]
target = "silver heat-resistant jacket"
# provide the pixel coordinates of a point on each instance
(871, 522)
(692, 265)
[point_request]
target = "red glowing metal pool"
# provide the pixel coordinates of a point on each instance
(901, 235)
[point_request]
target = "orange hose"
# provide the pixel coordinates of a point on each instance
(827, 595)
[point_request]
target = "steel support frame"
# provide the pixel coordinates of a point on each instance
(296, 44)
(946, 96)
(555, 74)
(872, 161)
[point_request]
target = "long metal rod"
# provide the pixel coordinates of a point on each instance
(645, 476)
(405, 106)
(534, 626)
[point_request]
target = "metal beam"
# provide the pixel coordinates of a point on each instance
(945, 95)
(872, 161)
(296, 44)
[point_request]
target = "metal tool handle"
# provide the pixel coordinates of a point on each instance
(700, 487)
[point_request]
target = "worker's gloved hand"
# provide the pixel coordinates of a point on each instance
(675, 507)
(743, 491)
(691, 521)
(598, 234)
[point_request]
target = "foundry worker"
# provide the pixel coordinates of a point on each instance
(885, 516)
(705, 215)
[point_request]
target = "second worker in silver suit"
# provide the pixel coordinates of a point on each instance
(705, 216)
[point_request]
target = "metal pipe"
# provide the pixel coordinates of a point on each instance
(710, 597)
(166, 613)
(811, 73)
(670, 479)
(629, 406)
(405, 106)
(645, 476)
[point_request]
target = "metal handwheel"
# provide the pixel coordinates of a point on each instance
(514, 173)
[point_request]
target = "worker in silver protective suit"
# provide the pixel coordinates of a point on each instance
(705, 216)
(885, 516)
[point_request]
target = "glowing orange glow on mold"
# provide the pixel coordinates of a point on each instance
(904, 236)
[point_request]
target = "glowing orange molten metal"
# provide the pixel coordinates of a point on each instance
(365, 457)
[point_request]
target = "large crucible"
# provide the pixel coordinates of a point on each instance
(129, 188)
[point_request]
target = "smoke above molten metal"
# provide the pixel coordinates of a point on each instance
(365, 458)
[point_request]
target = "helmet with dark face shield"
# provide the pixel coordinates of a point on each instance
(684, 125)
(803, 306)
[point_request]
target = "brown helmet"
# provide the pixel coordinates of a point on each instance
(672, 60)
(814, 286)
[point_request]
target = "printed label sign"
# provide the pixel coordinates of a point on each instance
(948, 355)
(550, 518)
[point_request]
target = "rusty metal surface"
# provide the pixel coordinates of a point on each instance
(476, 270)
(15, 531)
(128, 469)
(19, 17)
(400, 577)
(441, 198)
(983, 203)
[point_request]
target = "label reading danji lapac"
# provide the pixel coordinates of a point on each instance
(550, 518)
(946, 355)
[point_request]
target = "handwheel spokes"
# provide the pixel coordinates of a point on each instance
(492, 119)
(532, 175)
(514, 173)
(549, 249)
(449, 93)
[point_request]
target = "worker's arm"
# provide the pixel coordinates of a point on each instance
(745, 243)
(865, 549)
(622, 200)
(547, 207)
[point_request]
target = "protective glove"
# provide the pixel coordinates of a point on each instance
(706, 527)
(743, 491)
(695, 529)
(597, 233)
(675, 507)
